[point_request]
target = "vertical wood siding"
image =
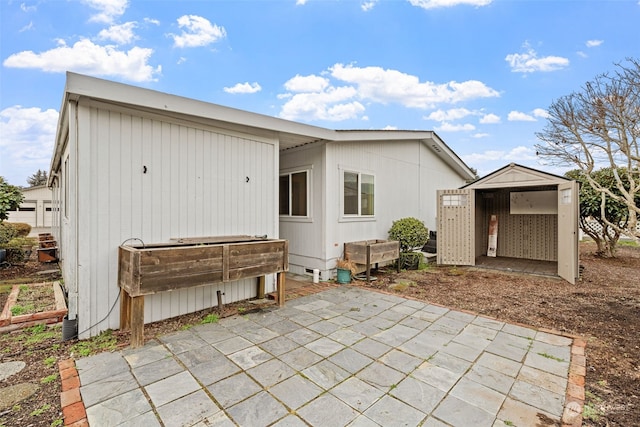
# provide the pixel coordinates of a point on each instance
(195, 185)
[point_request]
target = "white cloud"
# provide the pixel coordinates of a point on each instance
(301, 2)
(26, 142)
(27, 9)
(86, 57)
(528, 62)
(480, 135)
(433, 4)
(197, 31)
(520, 154)
(368, 5)
(244, 88)
(453, 114)
(517, 116)
(306, 84)
(27, 27)
(371, 85)
(450, 127)
(108, 10)
(120, 34)
(152, 21)
(541, 112)
(333, 104)
(392, 86)
(490, 119)
(594, 43)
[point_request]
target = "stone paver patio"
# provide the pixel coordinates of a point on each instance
(342, 357)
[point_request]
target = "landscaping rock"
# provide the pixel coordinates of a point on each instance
(14, 394)
(10, 368)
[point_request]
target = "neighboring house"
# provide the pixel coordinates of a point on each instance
(131, 163)
(536, 213)
(35, 209)
(354, 186)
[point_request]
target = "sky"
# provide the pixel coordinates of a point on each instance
(480, 73)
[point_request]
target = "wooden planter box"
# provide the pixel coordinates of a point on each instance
(186, 263)
(8, 322)
(371, 252)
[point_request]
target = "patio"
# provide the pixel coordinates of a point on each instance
(343, 356)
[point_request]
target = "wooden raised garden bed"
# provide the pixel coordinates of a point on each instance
(372, 252)
(187, 263)
(57, 307)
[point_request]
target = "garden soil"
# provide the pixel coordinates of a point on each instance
(603, 308)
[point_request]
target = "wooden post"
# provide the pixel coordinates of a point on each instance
(125, 310)
(281, 284)
(368, 263)
(137, 321)
(261, 280)
(219, 295)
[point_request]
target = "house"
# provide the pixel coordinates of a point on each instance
(353, 187)
(535, 214)
(35, 209)
(137, 165)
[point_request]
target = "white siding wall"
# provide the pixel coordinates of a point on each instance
(407, 175)
(306, 235)
(195, 185)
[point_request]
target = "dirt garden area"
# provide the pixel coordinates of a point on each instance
(603, 308)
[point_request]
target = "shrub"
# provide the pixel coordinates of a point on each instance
(7, 232)
(22, 229)
(410, 232)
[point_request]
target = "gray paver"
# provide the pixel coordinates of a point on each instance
(390, 411)
(234, 389)
(151, 352)
(478, 395)
(371, 348)
(210, 372)
(259, 410)
(271, 372)
(300, 358)
(350, 360)
(522, 415)
(279, 345)
(401, 361)
(171, 388)
(198, 355)
(250, 357)
(106, 388)
(119, 409)
(459, 413)
(418, 394)
(440, 378)
(93, 369)
(380, 375)
(449, 362)
(158, 370)
(179, 342)
(326, 374)
(357, 393)
(295, 391)
(148, 419)
(327, 411)
(553, 383)
(537, 396)
(188, 410)
(324, 346)
(233, 344)
(493, 379)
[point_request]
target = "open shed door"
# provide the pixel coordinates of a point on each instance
(568, 206)
(456, 232)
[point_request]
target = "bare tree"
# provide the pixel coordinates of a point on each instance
(599, 127)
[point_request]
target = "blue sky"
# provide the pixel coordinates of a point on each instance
(480, 73)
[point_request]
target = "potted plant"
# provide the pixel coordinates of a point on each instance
(346, 268)
(412, 234)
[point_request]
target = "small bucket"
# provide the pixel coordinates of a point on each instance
(344, 276)
(69, 328)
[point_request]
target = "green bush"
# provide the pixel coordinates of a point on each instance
(22, 229)
(410, 232)
(7, 232)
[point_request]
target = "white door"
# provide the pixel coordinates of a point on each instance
(456, 233)
(568, 208)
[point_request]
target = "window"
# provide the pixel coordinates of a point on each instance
(454, 200)
(358, 193)
(66, 187)
(565, 196)
(294, 191)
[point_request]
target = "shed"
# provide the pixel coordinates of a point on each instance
(535, 213)
(35, 209)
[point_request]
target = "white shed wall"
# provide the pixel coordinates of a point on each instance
(153, 177)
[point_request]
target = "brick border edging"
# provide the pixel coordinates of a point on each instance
(574, 395)
(73, 410)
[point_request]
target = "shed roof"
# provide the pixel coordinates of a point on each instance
(289, 133)
(514, 175)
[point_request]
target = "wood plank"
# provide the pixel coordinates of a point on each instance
(125, 310)
(213, 239)
(260, 292)
(281, 279)
(137, 321)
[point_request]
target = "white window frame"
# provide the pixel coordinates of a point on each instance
(359, 215)
(289, 173)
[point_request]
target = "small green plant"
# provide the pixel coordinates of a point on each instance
(590, 412)
(50, 361)
(57, 422)
(549, 356)
(39, 333)
(103, 342)
(211, 318)
(37, 412)
(23, 287)
(17, 310)
(410, 232)
(508, 423)
(48, 379)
